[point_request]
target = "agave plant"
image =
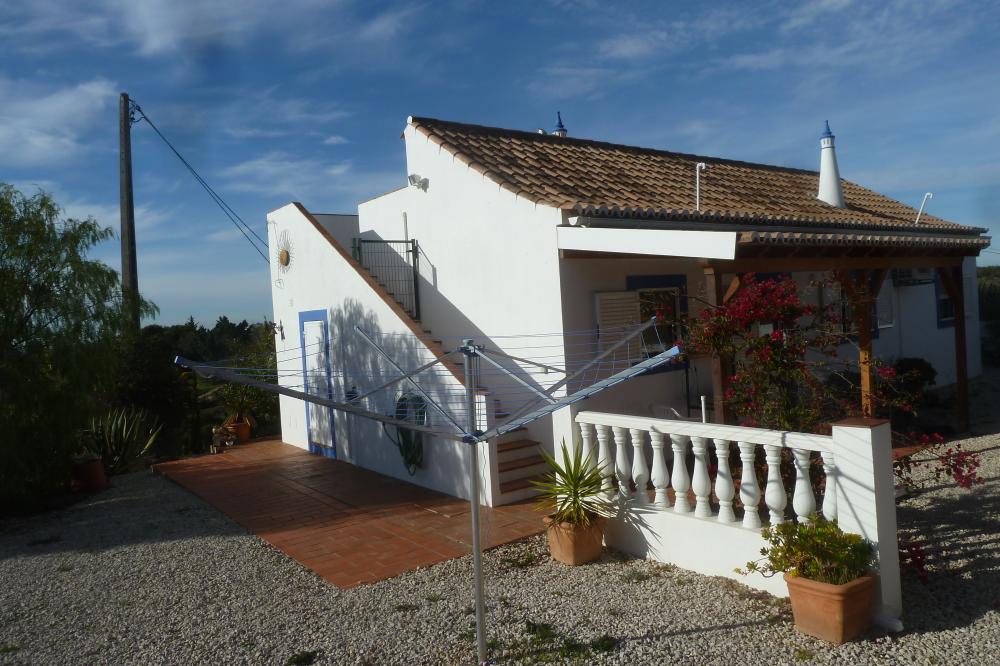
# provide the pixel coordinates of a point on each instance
(122, 437)
(575, 487)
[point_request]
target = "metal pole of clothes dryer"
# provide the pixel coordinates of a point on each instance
(469, 351)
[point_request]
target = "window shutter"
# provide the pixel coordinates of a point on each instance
(884, 309)
(617, 317)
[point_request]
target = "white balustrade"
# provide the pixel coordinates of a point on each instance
(701, 483)
(622, 464)
(803, 500)
(660, 476)
(857, 464)
(640, 472)
(749, 490)
(724, 488)
(774, 493)
(830, 492)
(628, 463)
(679, 476)
(587, 441)
(604, 458)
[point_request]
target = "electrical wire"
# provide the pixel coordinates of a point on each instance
(219, 201)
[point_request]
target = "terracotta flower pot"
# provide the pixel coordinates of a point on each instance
(575, 544)
(835, 613)
(89, 475)
(242, 430)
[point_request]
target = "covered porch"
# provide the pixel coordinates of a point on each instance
(709, 267)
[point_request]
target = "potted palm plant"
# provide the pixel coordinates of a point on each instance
(828, 572)
(239, 401)
(573, 492)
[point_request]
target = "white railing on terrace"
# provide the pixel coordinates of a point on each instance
(629, 433)
(658, 519)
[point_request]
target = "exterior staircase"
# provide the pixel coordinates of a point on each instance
(519, 462)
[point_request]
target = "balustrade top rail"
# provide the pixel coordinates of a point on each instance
(762, 436)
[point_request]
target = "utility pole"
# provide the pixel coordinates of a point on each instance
(130, 277)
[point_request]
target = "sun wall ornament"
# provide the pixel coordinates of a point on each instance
(284, 251)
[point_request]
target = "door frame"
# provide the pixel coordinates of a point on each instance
(304, 317)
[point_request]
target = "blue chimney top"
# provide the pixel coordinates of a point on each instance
(560, 129)
(827, 134)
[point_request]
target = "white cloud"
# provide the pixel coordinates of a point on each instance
(319, 184)
(45, 125)
(334, 140)
(156, 28)
(280, 174)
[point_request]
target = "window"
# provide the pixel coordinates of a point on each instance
(885, 315)
(619, 312)
(945, 307)
(665, 305)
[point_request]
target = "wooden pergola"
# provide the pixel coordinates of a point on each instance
(860, 268)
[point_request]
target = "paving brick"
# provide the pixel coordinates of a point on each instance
(349, 525)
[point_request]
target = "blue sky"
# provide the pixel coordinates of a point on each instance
(305, 100)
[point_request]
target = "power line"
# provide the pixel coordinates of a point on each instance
(219, 201)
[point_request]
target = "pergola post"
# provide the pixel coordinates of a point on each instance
(721, 367)
(862, 289)
(951, 279)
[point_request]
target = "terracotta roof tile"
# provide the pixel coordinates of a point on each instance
(608, 180)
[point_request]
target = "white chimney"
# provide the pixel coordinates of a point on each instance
(829, 175)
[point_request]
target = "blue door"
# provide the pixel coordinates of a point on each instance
(316, 378)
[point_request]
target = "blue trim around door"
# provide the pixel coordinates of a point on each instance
(318, 315)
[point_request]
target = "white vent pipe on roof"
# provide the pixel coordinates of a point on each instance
(698, 168)
(929, 195)
(830, 190)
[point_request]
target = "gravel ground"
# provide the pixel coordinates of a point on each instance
(147, 573)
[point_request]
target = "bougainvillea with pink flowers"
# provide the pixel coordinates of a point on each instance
(786, 373)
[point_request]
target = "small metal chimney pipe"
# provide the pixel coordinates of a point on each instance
(698, 168)
(928, 195)
(830, 189)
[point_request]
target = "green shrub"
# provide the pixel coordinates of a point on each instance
(817, 550)
(574, 487)
(122, 438)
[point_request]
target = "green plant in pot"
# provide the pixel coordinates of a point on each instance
(829, 575)
(240, 402)
(572, 490)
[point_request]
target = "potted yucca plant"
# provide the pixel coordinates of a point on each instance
(573, 491)
(829, 576)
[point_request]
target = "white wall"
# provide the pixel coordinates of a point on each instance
(489, 265)
(319, 278)
(582, 279)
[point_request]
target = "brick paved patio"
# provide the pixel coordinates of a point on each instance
(347, 524)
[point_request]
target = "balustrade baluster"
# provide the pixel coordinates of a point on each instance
(803, 500)
(587, 441)
(622, 464)
(604, 458)
(724, 488)
(774, 493)
(701, 483)
(830, 491)
(640, 471)
(749, 489)
(661, 478)
(679, 476)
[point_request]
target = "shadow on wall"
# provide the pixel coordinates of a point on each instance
(449, 324)
(358, 366)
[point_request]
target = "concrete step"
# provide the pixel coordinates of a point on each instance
(516, 463)
(516, 485)
(515, 450)
(536, 469)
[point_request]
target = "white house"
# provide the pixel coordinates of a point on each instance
(499, 234)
